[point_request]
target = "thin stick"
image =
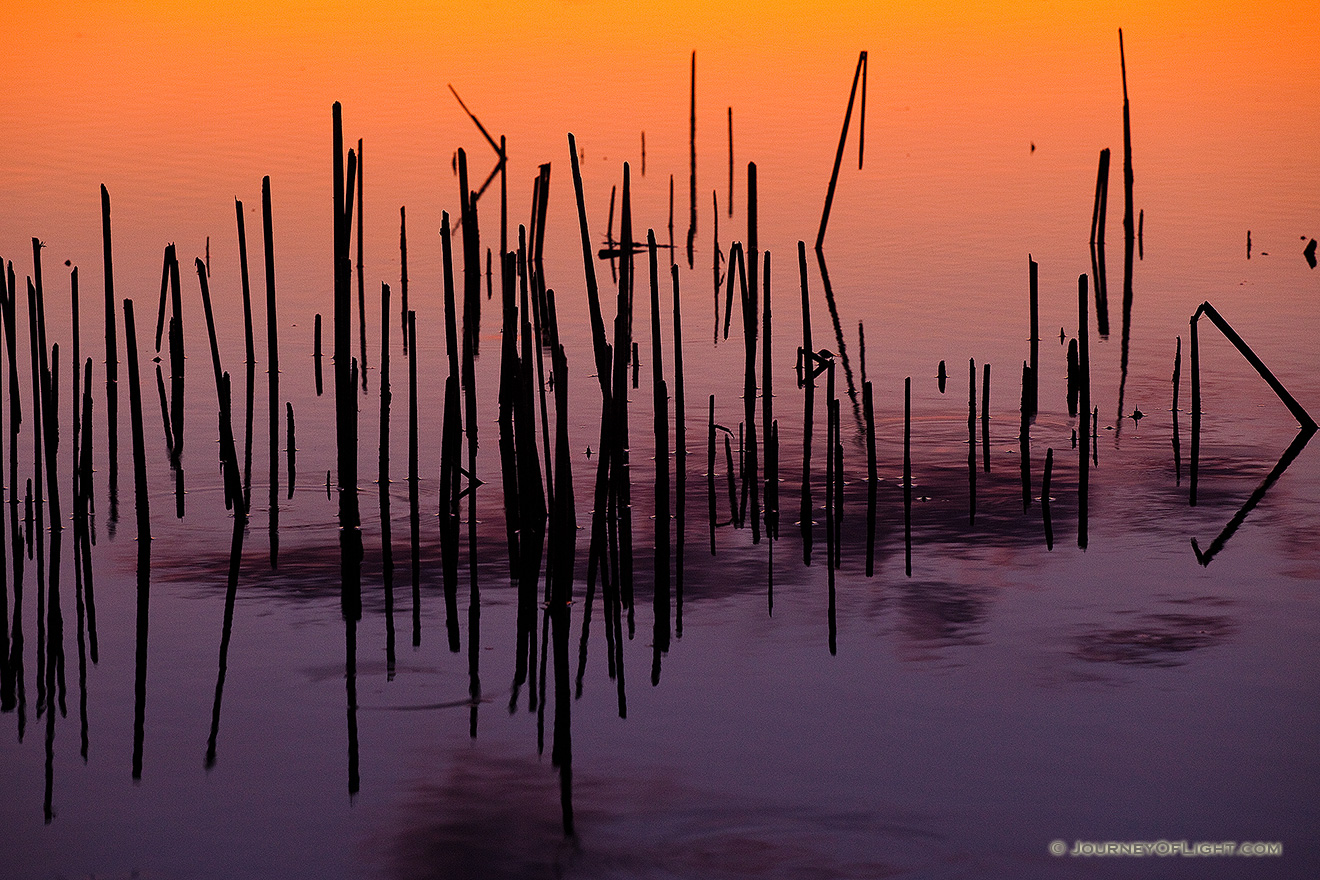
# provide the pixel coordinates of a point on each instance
(838, 157)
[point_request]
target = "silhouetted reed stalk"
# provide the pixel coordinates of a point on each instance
(530, 498)
(1033, 386)
(1074, 377)
(228, 454)
(730, 164)
(971, 441)
(251, 361)
(273, 363)
(858, 75)
(1045, 499)
(620, 468)
(292, 447)
(141, 503)
(767, 411)
(111, 360)
(446, 499)
(1084, 394)
(177, 354)
(1024, 437)
(361, 280)
(872, 478)
(7, 309)
(346, 377)
(680, 453)
(563, 541)
(660, 402)
(316, 353)
(1128, 231)
(1177, 438)
(692, 162)
(807, 380)
(985, 416)
(403, 274)
(1098, 244)
(1298, 411)
(507, 443)
(710, 471)
(82, 505)
(751, 322)
(907, 468)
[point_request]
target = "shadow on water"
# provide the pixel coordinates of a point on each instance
(1159, 640)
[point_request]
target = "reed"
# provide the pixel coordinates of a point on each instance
(971, 441)
(316, 354)
(403, 274)
(1045, 499)
(1084, 395)
(907, 470)
(767, 408)
(273, 348)
(1098, 244)
(361, 280)
(858, 75)
(111, 357)
(1033, 393)
(1024, 437)
(872, 477)
(692, 162)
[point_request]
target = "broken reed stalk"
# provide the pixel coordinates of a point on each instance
(838, 156)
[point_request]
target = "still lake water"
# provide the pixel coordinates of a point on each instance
(1003, 695)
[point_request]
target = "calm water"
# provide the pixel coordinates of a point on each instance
(1004, 694)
